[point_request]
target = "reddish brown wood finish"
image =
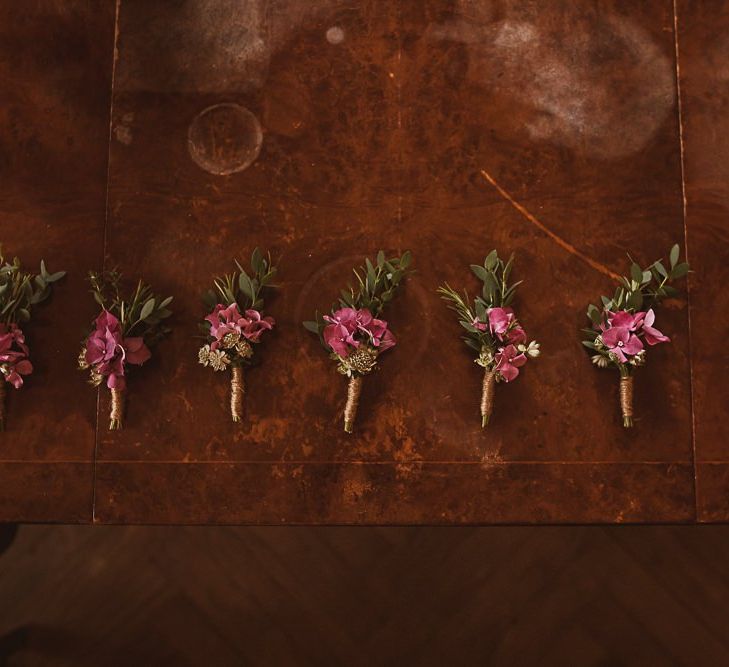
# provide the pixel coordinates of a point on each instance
(55, 83)
(704, 68)
(444, 127)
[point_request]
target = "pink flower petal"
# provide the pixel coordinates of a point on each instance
(653, 336)
(24, 367)
(136, 352)
(633, 345)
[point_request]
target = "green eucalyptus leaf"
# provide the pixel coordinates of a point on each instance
(55, 277)
(257, 260)
(147, 309)
(311, 326)
(636, 273)
(679, 271)
(675, 252)
(491, 260)
(371, 276)
(507, 268)
(40, 295)
(492, 286)
(593, 312)
(480, 272)
(661, 269)
(635, 300)
(244, 283)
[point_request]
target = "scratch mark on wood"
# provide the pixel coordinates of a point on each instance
(568, 247)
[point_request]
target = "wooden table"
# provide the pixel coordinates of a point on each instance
(440, 126)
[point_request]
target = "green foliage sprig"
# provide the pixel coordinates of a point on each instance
(625, 321)
(21, 290)
(240, 287)
(246, 292)
(496, 292)
(143, 313)
(643, 289)
(374, 287)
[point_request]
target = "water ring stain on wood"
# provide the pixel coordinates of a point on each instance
(224, 139)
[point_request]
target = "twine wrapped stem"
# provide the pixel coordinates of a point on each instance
(354, 388)
(488, 390)
(2, 402)
(116, 412)
(626, 400)
(237, 391)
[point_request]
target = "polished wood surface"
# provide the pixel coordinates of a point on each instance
(704, 74)
(55, 83)
(177, 135)
(627, 596)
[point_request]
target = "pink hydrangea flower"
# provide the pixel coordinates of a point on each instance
(508, 361)
(516, 335)
(340, 339)
(14, 353)
(503, 326)
(344, 325)
(500, 319)
(224, 320)
(652, 335)
(624, 319)
(382, 337)
(256, 325)
(622, 329)
(622, 342)
(349, 318)
(108, 351)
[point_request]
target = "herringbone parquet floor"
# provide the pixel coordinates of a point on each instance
(112, 596)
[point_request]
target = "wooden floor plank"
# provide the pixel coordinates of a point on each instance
(362, 596)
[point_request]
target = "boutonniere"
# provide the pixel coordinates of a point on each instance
(234, 327)
(353, 332)
(122, 335)
(624, 323)
(492, 329)
(20, 291)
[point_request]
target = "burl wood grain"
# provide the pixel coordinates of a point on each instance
(326, 130)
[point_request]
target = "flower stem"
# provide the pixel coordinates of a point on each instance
(488, 390)
(116, 413)
(354, 388)
(626, 400)
(2, 402)
(237, 391)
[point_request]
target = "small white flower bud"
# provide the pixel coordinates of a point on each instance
(533, 350)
